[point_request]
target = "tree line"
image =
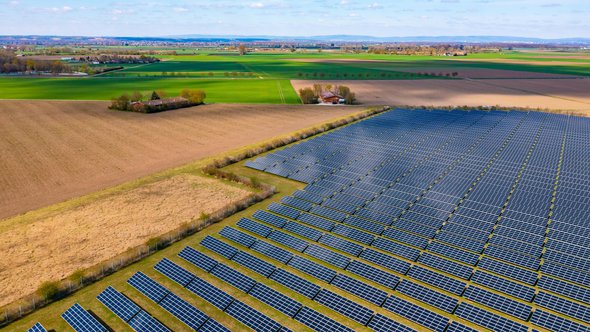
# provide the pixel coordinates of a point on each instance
(157, 101)
(311, 95)
(10, 63)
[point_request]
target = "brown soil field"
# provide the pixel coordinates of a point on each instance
(54, 246)
(481, 73)
(557, 94)
(56, 150)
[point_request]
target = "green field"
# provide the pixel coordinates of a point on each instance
(264, 77)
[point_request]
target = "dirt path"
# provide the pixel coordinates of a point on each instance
(55, 150)
(53, 247)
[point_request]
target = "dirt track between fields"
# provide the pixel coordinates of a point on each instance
(55, 150)
(54, 246)
(555, 94)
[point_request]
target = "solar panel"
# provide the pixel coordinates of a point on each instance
(269, 218)
(316, 221)
(174, 272)
(437, 280)
(144, 322)
(344, 306)
(396, 248)
(454, 253)
(297, 203)
(386, 261)
(439, 263)
(148, 287)
(458, 327)
(561, 305)
(341, 244)
(416, 313)
(251, 317)
(426, 295)
(374, 274)
(233, 277)
(353, 234)
(555, 323)
(511, 271)
(566, 289)
(328, 256)
(254, 263)
(237, 236)
(365, 225)
(288, 240)
(284, 210)
(380, 323)
(503, 285)
(272, 251)
(254, 227)
(79, 319)
(37, 328)
(487, 319)
(184, 311)
(296, 283)
(498, 302)
(319, 322)
(275, 299)
(213, 326)
(360, 289)
(198, 259)
(304, 231)
(314, 269)
(219, 247)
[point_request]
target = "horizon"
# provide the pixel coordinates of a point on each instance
(544, 19)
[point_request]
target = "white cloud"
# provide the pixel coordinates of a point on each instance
(14, 3)
(180, 9)
(257, 5)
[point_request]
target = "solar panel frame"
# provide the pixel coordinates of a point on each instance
(80, 320)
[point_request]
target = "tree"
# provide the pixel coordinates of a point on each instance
(242, 49)
(161, 93)
(318, 89)
(48, 290)
(308, 96)
(194, 96)
(155, 96)
(136, 96)
(120, 103)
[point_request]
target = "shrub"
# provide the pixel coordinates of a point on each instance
(48, 290)
(194, 96)
(308, 96)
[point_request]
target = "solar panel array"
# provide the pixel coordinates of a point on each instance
(436, 199)
(410, 220)
(81, 320)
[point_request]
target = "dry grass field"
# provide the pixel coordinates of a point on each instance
(56, 150)
(54, 245)
(557, 94)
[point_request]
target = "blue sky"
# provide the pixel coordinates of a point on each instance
(527, 18)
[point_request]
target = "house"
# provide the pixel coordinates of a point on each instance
(328, 97)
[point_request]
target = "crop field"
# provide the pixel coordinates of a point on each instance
(57, 150)
(406, 221)
(265, 77)
(557, 94)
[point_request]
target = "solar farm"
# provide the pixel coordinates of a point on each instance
(411, 220)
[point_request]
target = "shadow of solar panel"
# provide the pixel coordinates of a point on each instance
(327, 256)
(254, 227)
(416, 313)
(254, 263)
(269, 218)
(237, 236)
(360, 289)
(498, 302)
(344, 306)
(304, 231)
(233, 277)
(288, 240)
(198, 259)
(79, 319)
(427, 295)
(353, 234)
(566, 307)
(251, 317)
(386, 261)
(438, 280)
(284, 210)
(37, 328)
(396, 248)
(487, 319)
(318, 322)
(555, 323)
(272, 251)
(380, 323)
(316, 221)
(219, 247)
(445, 265)
(314, 269)
(275, 299)
(341, 244)
(296, 283)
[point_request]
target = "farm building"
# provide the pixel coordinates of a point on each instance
(158, 105)
(331, 98)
